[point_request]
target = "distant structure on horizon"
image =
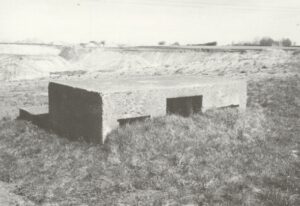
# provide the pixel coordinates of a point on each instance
(213, 43)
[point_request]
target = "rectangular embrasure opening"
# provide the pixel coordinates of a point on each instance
(230, 106)
(184, 106)
(125, 121)
(233, 107)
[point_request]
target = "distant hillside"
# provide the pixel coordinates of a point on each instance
(29, 49)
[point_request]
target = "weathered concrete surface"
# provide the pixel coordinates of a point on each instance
(37, 115)
(91, 108)
(75, 113)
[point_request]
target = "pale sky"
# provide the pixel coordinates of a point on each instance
(149, 21)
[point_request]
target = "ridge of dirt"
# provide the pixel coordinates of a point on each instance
(96, 62)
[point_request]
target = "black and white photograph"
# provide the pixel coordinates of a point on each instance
(149, 102)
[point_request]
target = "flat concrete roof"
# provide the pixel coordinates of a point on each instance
(123, 84)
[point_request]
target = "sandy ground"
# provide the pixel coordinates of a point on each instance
(95, 62)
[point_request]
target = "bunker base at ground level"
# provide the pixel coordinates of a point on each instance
(90, 109)
(38, 115)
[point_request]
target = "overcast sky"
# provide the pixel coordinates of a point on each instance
(149, 21)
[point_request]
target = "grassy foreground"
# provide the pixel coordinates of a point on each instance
(217, 158)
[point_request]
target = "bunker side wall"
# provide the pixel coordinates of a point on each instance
(75, 113)
(226, 94)
(122, 105)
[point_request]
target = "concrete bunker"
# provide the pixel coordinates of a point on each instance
(90, 109)
(184, 106)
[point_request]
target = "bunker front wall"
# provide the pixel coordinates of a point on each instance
(153, 102)
(75, 113)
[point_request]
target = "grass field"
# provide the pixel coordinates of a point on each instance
(220, 157)
(216, 158)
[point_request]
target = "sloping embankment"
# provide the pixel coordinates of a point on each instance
(96, 62)
(140, 62)
(16, 67)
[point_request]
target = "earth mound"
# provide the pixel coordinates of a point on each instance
(132, 62)
(98, 62)
(16, 67)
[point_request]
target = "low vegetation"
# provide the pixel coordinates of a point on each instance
(220, 157)
(267, 41)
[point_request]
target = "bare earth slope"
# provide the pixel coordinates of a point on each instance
(29, 61)
(16, 67)
(137, 61)
(101, 62)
